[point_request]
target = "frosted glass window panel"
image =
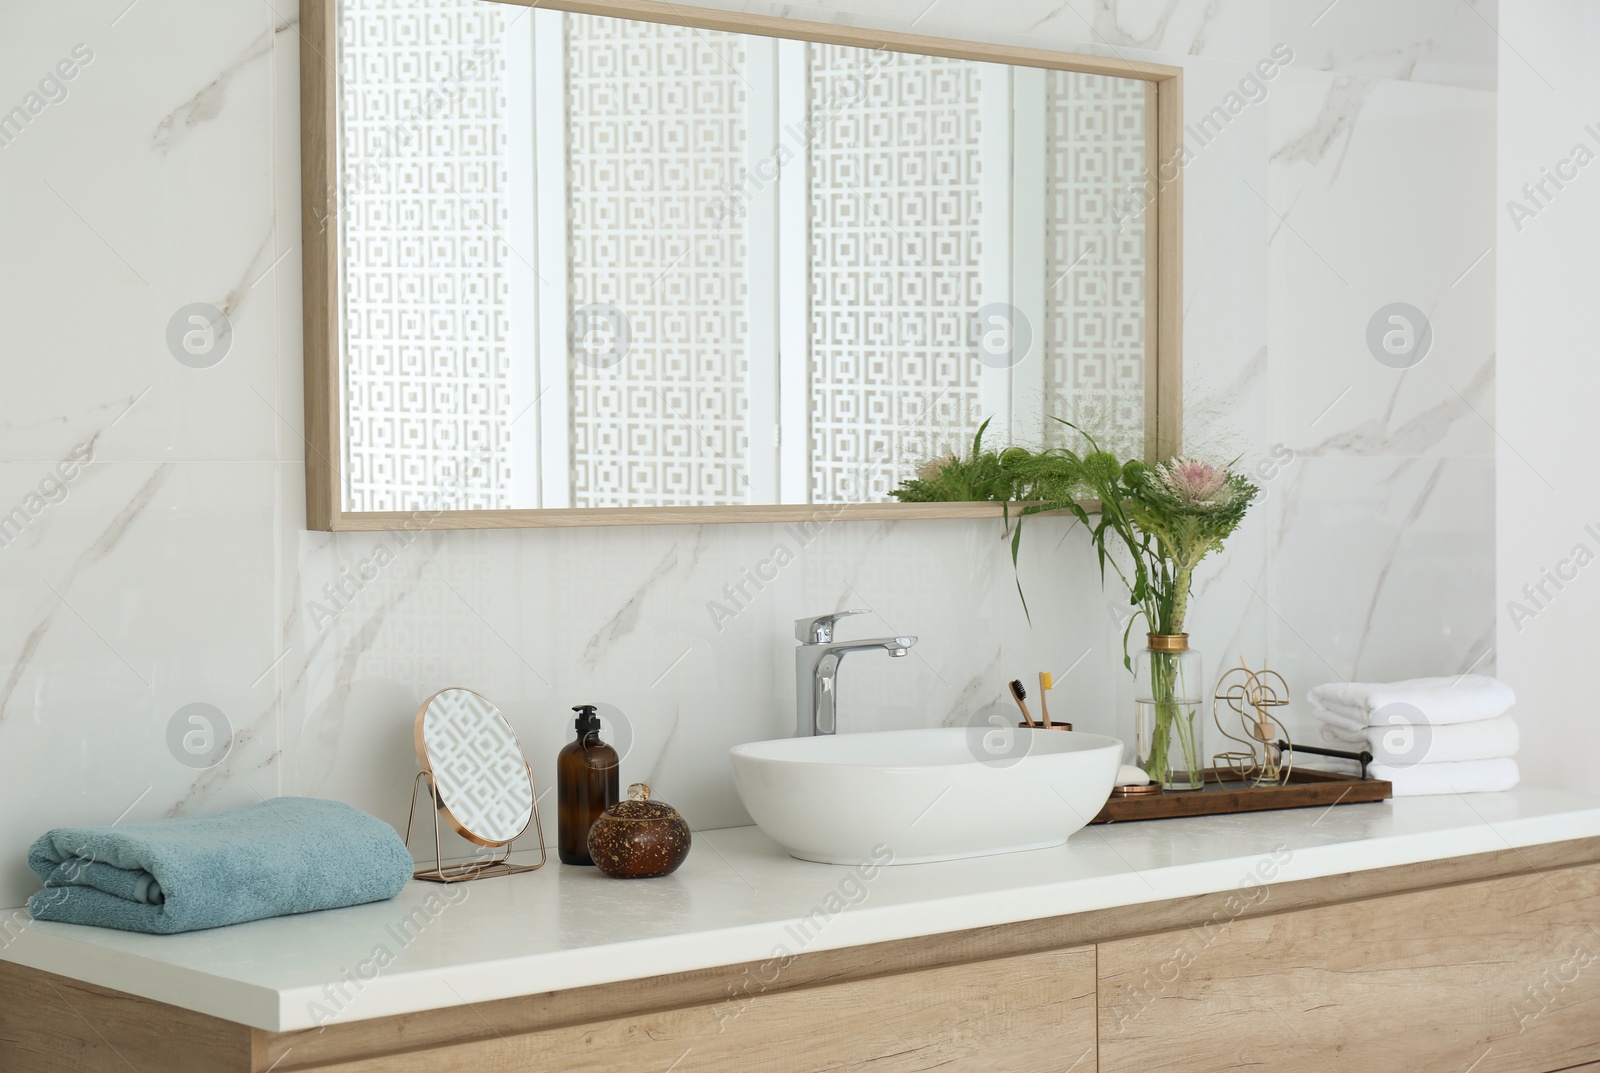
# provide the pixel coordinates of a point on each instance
(423, 202)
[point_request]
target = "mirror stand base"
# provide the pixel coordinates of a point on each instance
(498, 863)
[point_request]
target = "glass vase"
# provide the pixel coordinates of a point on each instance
(1168, 697)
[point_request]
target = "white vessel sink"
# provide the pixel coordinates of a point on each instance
(925, 795)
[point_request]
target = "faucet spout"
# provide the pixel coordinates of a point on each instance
(817, 674)
(895, 646)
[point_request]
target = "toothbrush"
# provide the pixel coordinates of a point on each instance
(1020, 695)
(1046, 683)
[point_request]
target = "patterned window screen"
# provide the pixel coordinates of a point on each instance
(1094, 312)
(894, 268)
(425, 312)
(657, 132)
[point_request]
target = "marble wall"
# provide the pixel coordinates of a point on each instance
(1548, 599)
(173, 569)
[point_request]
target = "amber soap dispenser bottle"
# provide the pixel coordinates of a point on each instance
(586, 785)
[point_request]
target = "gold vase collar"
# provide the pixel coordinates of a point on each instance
(1167, 642)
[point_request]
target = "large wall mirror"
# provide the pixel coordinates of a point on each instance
(622, 262)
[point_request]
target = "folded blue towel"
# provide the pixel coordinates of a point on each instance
(287, 855)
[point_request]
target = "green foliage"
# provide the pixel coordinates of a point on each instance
(981, 476)
(1012, 474)
(1154, 525)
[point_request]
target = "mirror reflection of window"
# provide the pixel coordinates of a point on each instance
(658, 125)
(1095, 257)
(897, 262)
(424, 199)
(596, 262)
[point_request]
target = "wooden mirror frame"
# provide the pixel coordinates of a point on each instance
(319, 128)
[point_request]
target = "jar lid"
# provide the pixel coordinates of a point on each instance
(640, 807)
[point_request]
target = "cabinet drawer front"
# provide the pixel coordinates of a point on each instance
(1500, 976)
(51, 1024)
(1022, 1014)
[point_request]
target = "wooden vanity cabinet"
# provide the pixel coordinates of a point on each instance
(1498, 976)
(1487, 964)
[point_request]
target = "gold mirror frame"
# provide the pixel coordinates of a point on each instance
(319, 76)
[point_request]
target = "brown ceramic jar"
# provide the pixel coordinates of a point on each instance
(639, 838)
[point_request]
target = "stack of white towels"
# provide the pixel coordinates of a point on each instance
(1426, 735)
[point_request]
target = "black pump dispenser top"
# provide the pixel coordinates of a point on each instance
(588, 721)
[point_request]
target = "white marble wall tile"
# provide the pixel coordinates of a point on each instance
(284, 387)
(1230, 29)
(1380, 520)
(1381, 192)
(1225, 264)
(543, 620)
(1452, 42)
(1382, 569)
(146, 189)
(144, 590)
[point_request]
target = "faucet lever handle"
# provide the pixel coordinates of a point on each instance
(818, 629)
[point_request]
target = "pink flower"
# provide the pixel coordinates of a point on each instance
(1193, 481)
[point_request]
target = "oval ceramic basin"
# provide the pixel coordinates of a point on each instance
(924, 795)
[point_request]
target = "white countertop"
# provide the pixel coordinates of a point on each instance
(735, 900)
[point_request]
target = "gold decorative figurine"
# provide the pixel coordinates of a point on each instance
(1253, 696)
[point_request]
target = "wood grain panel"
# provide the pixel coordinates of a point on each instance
(1500, 976)
(320, 203)
(806, 518)
(1014, 1014)
(1225, 794)
(50, 1024)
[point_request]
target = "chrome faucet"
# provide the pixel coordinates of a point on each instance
(816, 669)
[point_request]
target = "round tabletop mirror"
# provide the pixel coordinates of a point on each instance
(484, 787)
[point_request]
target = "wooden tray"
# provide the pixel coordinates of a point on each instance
(1224, 793)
